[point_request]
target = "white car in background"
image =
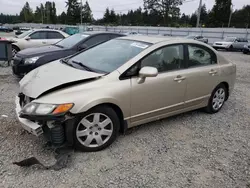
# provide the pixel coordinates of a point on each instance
(231, 43)
(36, 38)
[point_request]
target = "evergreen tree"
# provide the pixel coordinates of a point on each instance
(87, 13)
(26, 14)
(220, 12)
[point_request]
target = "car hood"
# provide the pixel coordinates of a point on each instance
(51, 76)
(224, 42)
(32, 52)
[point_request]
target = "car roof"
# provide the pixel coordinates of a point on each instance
(46, 30)
(156, 39)
(100, 32)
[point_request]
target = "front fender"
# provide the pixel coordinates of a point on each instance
(83, 108)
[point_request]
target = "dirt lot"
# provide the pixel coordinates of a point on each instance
(189, 150)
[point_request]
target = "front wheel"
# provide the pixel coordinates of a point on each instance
(217, 99)
(245, 52)
(15, 49)
(96, 129)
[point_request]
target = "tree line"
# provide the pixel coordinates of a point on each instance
(153, 13)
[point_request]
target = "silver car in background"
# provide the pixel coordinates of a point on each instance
(198, 38)
(231, 43)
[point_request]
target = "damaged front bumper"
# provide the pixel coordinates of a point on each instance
(30, 126)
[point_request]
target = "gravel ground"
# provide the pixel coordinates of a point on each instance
(189, 150)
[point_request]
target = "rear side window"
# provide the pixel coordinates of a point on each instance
(39, 35)
(200, 56)
(55, 35)
(96, 40)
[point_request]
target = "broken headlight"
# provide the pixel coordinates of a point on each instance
(46, 109)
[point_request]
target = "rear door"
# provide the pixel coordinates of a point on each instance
(53, 37)
(202, 74)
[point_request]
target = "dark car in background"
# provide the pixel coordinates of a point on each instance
(31, 58)
(5, 29)
(246, 49)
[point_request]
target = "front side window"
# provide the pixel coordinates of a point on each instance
(200, 56)
(108, 56)
(165, 59)
(39, 35)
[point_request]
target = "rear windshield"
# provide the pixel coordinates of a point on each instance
(71, 41)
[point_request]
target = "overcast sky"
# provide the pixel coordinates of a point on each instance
(98, 6)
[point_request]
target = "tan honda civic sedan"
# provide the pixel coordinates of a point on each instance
(88, 98)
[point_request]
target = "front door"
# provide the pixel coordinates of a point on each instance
(202, 74)
(36, 39)
(156, 97)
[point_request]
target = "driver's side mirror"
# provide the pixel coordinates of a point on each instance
(82, 47)
(27, 38)
(147, 72)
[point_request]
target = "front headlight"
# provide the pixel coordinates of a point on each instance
(31, 60)
(46, 109)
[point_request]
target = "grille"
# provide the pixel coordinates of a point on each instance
(218, 43)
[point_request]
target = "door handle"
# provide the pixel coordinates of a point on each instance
(179, 79)
(212, 72)
(44, 42)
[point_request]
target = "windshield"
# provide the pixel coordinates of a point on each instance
(228, 39)
(109, 56)
(69, 42)
(190, 37)
(24, 34)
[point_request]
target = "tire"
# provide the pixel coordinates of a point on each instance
(230, 48)
(15, 49)
(219, 100)
(86, 133)
(245, 52)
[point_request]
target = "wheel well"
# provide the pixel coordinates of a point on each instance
(227, 87)
(13, 45)
(119, 113)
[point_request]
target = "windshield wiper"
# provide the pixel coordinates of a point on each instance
(83, 66)
(64, 61)
(58, 45)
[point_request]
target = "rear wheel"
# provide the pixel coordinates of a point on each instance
(217, 99)
(96, 129)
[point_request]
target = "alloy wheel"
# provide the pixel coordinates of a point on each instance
(218, 99)
(94, 130)
(14, 52)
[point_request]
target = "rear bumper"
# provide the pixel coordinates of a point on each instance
(31, 127)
